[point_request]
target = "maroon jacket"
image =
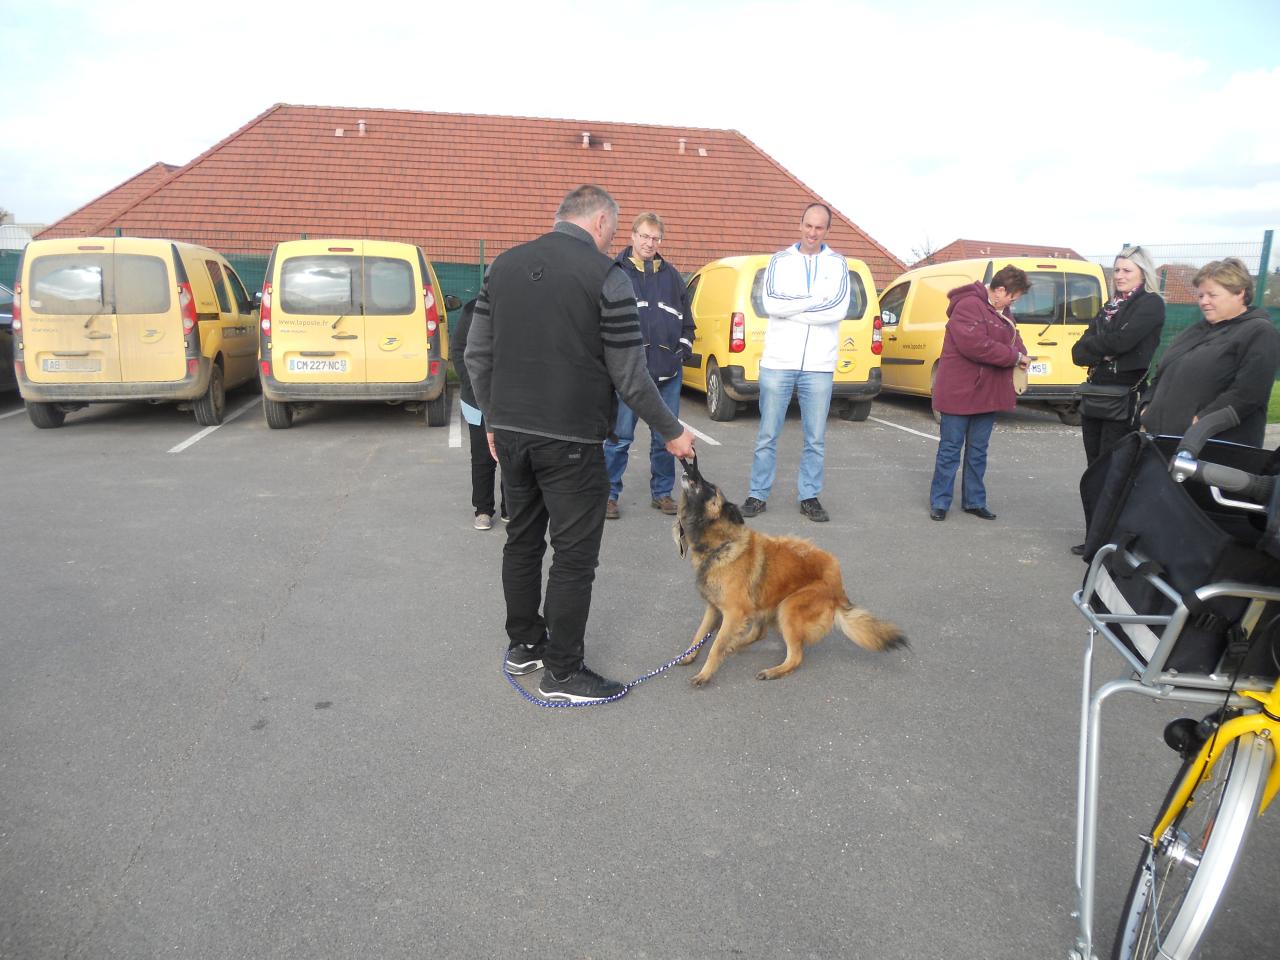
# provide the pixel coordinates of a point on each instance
(979, 351)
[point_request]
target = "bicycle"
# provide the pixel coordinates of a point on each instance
(1214, 643)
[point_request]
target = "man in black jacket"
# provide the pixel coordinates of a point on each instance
(555, 332)
(667, 327)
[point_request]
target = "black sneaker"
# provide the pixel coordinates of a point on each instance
(583, 686)
(753, 507)
(524, 658)
(812, 509)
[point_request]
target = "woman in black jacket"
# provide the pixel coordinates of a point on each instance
(1119, 344)
(1121, 340)
(1228, 359)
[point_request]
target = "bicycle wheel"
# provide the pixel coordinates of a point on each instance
(1181, 879)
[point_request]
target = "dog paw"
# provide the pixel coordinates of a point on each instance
(700, 680)
(685, 661)
(765, 675)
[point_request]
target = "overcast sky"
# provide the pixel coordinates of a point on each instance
(1084, 124)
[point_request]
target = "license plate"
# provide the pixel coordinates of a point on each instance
(313, 365)
(1040, 369)
(70, 365)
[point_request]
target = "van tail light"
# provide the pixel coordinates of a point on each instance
(187, 304)
(17, 307)
(877, 335)
(737, 334)
(266, 367)
(266, 310)
(429, 305)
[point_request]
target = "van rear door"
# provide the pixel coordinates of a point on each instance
(1052, 316)
(148, 317)
(395, 322)
(69, 324)
(317, 326)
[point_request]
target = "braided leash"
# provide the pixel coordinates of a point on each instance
(538, 701)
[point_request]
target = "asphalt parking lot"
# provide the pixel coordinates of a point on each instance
(252, 707)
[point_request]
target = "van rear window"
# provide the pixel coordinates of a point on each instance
(1059, 298)
(88, 283)
(331, 285)
(857, 295)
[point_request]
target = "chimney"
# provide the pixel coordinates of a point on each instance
(681, 141)
(586, 140)
(607, 145)
(702, 151)
(338, 132)
(360, 127)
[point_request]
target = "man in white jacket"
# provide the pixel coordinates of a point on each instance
(806, 295)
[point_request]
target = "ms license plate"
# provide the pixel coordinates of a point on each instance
(311, 365)
(1039, 369)
(70, 365)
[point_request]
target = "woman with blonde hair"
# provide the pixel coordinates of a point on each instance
(1119, 344)
(1227, 359)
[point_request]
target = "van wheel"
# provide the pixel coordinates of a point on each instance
(46, 416)
(1068, 413)
(438, 410)
(856, 410)
(209, 408)
(720, 406)
(279, 415)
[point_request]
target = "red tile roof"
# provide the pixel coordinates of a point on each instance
(85, 220)
(450, 181)
(1176, 285)
(968, 249)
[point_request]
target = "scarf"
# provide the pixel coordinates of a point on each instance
(1115, 303)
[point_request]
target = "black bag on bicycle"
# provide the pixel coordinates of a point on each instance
(1182, 535)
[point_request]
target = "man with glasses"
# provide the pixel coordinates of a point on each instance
(667, 327)
(806, 295)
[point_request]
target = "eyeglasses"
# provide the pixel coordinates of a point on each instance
(647, 236)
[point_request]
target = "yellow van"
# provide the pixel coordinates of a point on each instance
(1064, 296)
(727, 303)
(106, 319)
(352, 320)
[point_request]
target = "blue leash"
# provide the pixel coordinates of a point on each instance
(617, 696)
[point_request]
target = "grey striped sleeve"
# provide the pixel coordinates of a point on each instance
(619, 321)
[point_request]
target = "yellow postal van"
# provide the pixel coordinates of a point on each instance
(352, 320)
(1064, 296)
(105, 319)
(728, 309)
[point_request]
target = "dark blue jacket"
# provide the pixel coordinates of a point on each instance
(665, 318)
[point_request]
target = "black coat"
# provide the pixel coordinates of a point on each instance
(1210, 366)
(1130, 340)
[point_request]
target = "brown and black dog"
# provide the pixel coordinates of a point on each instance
(752, 581)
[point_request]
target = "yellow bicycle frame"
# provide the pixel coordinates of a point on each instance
(1264, 724)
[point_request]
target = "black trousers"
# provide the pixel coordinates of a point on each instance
(1099, 435)
(483, 471)
(559, 488)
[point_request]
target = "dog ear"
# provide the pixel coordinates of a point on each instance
(731, 513)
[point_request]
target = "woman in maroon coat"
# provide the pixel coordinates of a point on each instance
(975, 379)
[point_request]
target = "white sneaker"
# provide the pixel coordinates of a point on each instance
(484, 521)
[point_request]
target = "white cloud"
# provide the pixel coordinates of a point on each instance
(919, 120)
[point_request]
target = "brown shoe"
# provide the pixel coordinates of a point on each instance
(665, 504)
(611, 511)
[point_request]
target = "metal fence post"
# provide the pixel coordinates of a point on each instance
(1260, 296)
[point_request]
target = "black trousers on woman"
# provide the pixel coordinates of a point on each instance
(1099, 435)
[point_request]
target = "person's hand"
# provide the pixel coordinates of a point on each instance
(1024, 361)
(681, 446)
(493, 451)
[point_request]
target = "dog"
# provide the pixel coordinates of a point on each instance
(752, 581)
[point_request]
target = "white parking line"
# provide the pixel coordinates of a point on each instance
(455, 428)
(13, 413)
(701, 436)
(227, 418)
(898, 426)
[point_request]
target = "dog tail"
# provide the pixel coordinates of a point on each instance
(867, 631)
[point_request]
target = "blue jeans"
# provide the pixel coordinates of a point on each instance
(973, 433)
(662, 465)
(814, 392)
